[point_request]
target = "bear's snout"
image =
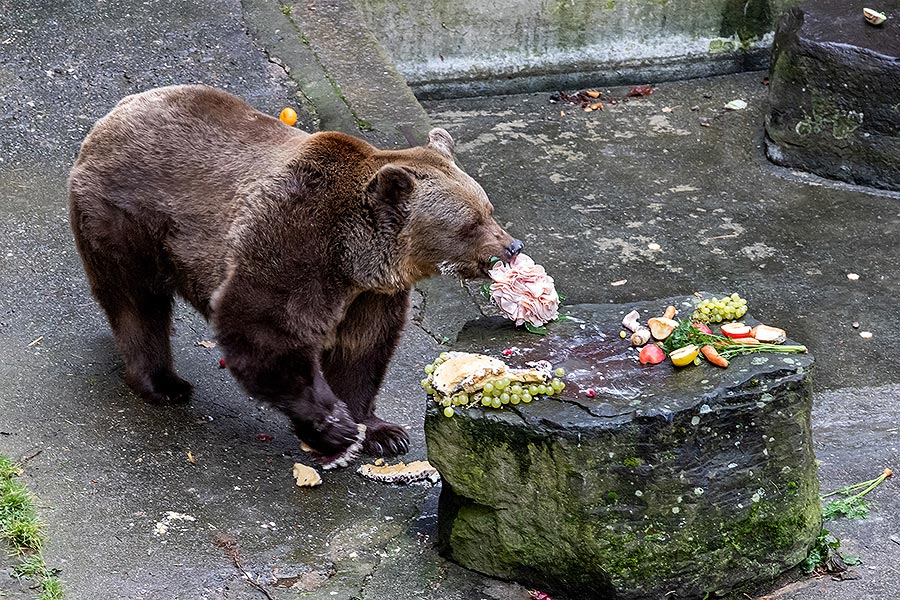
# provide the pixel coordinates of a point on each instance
(513, 249)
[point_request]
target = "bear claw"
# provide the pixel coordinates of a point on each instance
(385, 439)
(342, 459)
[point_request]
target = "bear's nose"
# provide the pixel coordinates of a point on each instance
(514, 248)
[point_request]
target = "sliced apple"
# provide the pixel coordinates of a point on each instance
(651, 354)
(684, 356)
(768, 335)
(736, 330)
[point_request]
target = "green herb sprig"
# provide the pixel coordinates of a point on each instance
(686, 334)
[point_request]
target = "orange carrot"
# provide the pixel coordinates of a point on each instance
(709, 351)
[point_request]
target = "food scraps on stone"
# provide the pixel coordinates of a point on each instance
(651, 354)
(662, 327)
(685, 342)
(462, 379)
(306, 476)
(873, 17)
(736, 105)
(685, 355)
(717, 310)
(524, 292)
(769, 335)
(401, 473)
(632, 321)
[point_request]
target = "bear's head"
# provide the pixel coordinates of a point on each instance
(450, 226)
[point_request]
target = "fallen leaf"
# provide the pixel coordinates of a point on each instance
(206, 344)
(736, 105)
(667, 109)
(306, 476)
(639, 91)
(596, 106)
(593, 93)
(190, 457)
(619, 282)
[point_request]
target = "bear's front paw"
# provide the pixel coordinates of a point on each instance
(341, 459)
(385, 439)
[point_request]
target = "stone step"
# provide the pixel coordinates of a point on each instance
(346, 76)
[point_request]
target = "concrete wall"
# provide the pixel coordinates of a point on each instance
(467, 47)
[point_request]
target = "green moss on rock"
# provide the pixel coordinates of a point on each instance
(588, 507)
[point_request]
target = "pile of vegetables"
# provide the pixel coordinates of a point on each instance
(685, 342)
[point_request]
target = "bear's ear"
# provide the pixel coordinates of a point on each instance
(392, 184)
(440, 140)
(388, 193)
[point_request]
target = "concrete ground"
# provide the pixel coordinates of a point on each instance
(588, 192)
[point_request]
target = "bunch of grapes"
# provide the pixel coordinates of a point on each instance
(717, 310)
(493, 394)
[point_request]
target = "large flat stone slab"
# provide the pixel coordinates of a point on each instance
(689, 480)
(834, 93)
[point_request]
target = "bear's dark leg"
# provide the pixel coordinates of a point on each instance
(141, 324)
(356, 365)
(128, 283)
(272, 348)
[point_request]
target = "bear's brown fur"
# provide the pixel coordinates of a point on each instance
(300, 249)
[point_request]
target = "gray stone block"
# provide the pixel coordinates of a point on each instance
(693, 481)
(834, 93)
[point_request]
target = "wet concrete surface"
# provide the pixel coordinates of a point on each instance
(588, 193)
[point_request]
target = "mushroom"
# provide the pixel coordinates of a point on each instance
(662, 327)
(632, 321)
(640, 337)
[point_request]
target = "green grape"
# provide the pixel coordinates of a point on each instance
(485, 401)
(515, 389)
(426, 382)
(448, 412)
(533, 390)
(526, 397)
(444, 356)
(504, 398)
(542, 389)
(696, 315)
(735, 297)
(463, 398)
(558, 385)
(488, 388)
(437, 362)
(445, 401)
(502, 384)
(495, 402)
(560, 372)
(429, 368)
(429, 390)
(514, 398)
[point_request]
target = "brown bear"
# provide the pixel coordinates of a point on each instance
(300, 250)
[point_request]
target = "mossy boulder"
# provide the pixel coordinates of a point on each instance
(834, 93)
(668, 482)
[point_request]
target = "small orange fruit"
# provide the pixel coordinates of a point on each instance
(288, 116)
